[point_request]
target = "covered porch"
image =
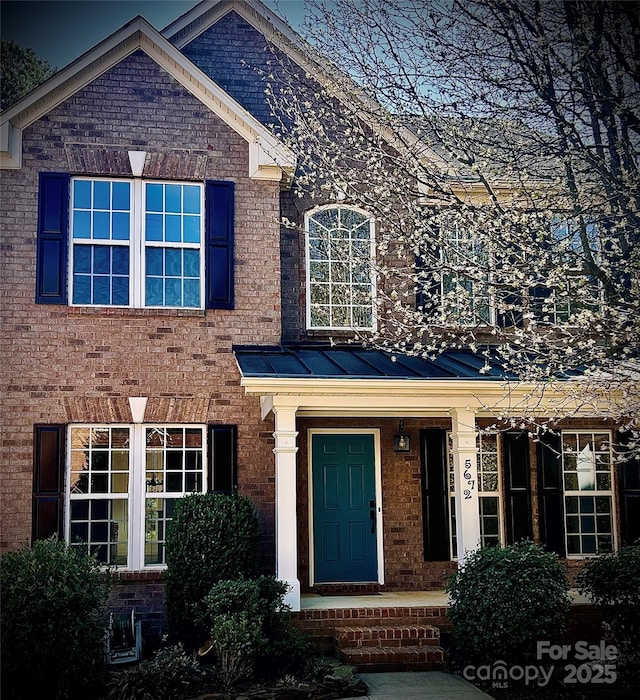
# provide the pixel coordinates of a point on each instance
(316, 394)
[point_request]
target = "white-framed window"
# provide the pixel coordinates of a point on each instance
(577, 290)
(122, 484)
(489, 492)
(340, 275)
(587, 460)
(136, 243)
(465, 289)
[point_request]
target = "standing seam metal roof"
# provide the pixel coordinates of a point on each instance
(339, 362)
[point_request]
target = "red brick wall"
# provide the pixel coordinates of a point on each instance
(64, 364)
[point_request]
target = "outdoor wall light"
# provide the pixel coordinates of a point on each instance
(401, 441)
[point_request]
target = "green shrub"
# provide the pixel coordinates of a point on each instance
(52, 622)
(503, 600)
(211, 538)
(238, 641)
(171, 674)
(251, 631)
(613, 583)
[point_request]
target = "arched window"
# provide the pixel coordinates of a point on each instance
(340, 279)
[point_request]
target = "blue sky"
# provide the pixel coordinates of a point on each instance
(61, 30)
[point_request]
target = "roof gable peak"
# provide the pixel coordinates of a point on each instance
(269, 158)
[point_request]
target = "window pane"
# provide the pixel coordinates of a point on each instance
(101, 225)
(82, 194)
(172, 229)
(191, 297)
(101, 194)
(191, 199)
(192, 263)
(605, 544)
(153, 227)
(173, 198)
(81, 224)
(154, 261)
(191, 229)
(154, 292)
(82, 258)
(173, 262)
(154, 197)
(172, 292)
(121, 194)
(101, 260)
(120, 260)
(120, 226)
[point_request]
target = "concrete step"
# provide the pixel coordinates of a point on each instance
(389, 635)
(404, 658)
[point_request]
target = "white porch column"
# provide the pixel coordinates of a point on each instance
(466, 481)
(286, 524)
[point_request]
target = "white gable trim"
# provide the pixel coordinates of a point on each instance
(208, 12)
(269, 158)
(280, 34)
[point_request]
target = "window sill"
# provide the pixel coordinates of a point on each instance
(131, 312)
(135, 576)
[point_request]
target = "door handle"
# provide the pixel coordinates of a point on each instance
(372, 516)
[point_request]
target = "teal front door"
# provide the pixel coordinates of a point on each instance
(344, 508)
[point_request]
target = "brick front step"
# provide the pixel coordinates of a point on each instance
(321, 623)
(386, 636)
(414, 658)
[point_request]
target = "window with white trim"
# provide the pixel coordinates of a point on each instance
(123, 483)
(587, 460)
(137, 243)
(577, 290)
(489, 492)
(465, 290)
(340, 275)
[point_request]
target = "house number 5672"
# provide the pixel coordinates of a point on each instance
(470, 482)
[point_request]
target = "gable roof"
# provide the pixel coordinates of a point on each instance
(269, 158)
(204, 15)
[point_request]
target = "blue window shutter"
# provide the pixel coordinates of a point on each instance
(222, 472)
(48, 473)
(517, 476)
(53, 239)
(219, 203)
(551, 493)
(629, 495)
(429, 291)
(435, 495)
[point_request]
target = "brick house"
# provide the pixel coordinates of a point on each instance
(161, 337)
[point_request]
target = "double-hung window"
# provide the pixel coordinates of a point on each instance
(489, 492)
(466, 294)
(588, 503)
(573, 288)
(340, 275)
(137, 243)
(123, 483)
